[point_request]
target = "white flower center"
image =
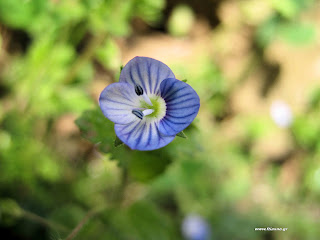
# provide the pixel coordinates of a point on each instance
(155, 108)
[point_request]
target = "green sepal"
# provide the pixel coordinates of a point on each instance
(181, 134)
(117, 142)
(121, 67)
(184, 80)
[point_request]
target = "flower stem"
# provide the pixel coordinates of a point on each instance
(83, 221)
(43, 221)
(119, 196)
(123, 184)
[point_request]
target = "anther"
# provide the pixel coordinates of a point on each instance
(138, 89)
(138, 113)
(147, 112)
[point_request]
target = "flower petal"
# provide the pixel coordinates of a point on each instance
(183, 104)
(117, 102)
(142, 135)
(147, 73)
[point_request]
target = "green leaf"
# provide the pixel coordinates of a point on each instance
(10, 207)
(267, 31)
(298, 33)
(68, 216)
(146, 165)
(148, 222)
(286, 8)
(10, 211)
(181, 21)
(149, 10)
(117, 142)
(143, 220)
(314, 101)
(142, 165)
(181, 134)
(96, 129)
(17, 13)
(108, 54)
(306, 131)
(290, 8)
(55, 236)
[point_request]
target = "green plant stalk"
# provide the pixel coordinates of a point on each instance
(119, 196)
(84, 220)
(36, 218)
(87, 54)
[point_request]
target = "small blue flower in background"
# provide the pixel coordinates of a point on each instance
(281, 114)
(148, 105)
(194, 227)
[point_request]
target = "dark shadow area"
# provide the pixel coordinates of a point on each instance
(270, 71)
(19, 41)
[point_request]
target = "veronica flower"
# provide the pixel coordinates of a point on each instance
(194, 227)
(148, 105)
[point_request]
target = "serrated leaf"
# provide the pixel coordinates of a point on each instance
(142, 166)
(182, 135)
(96, 129)
(117, 142)
(55, 236)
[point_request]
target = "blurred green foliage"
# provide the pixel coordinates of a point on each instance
(181, 21)
(287, 24)
(53, 53)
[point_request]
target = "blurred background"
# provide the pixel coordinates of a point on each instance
(252, 157)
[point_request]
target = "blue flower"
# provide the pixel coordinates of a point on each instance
(148, 105)
(194, 227)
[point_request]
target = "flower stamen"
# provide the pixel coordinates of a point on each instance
(138, 113)
(147, 99)
(138, 89)
(158, 106)
(147, 112)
